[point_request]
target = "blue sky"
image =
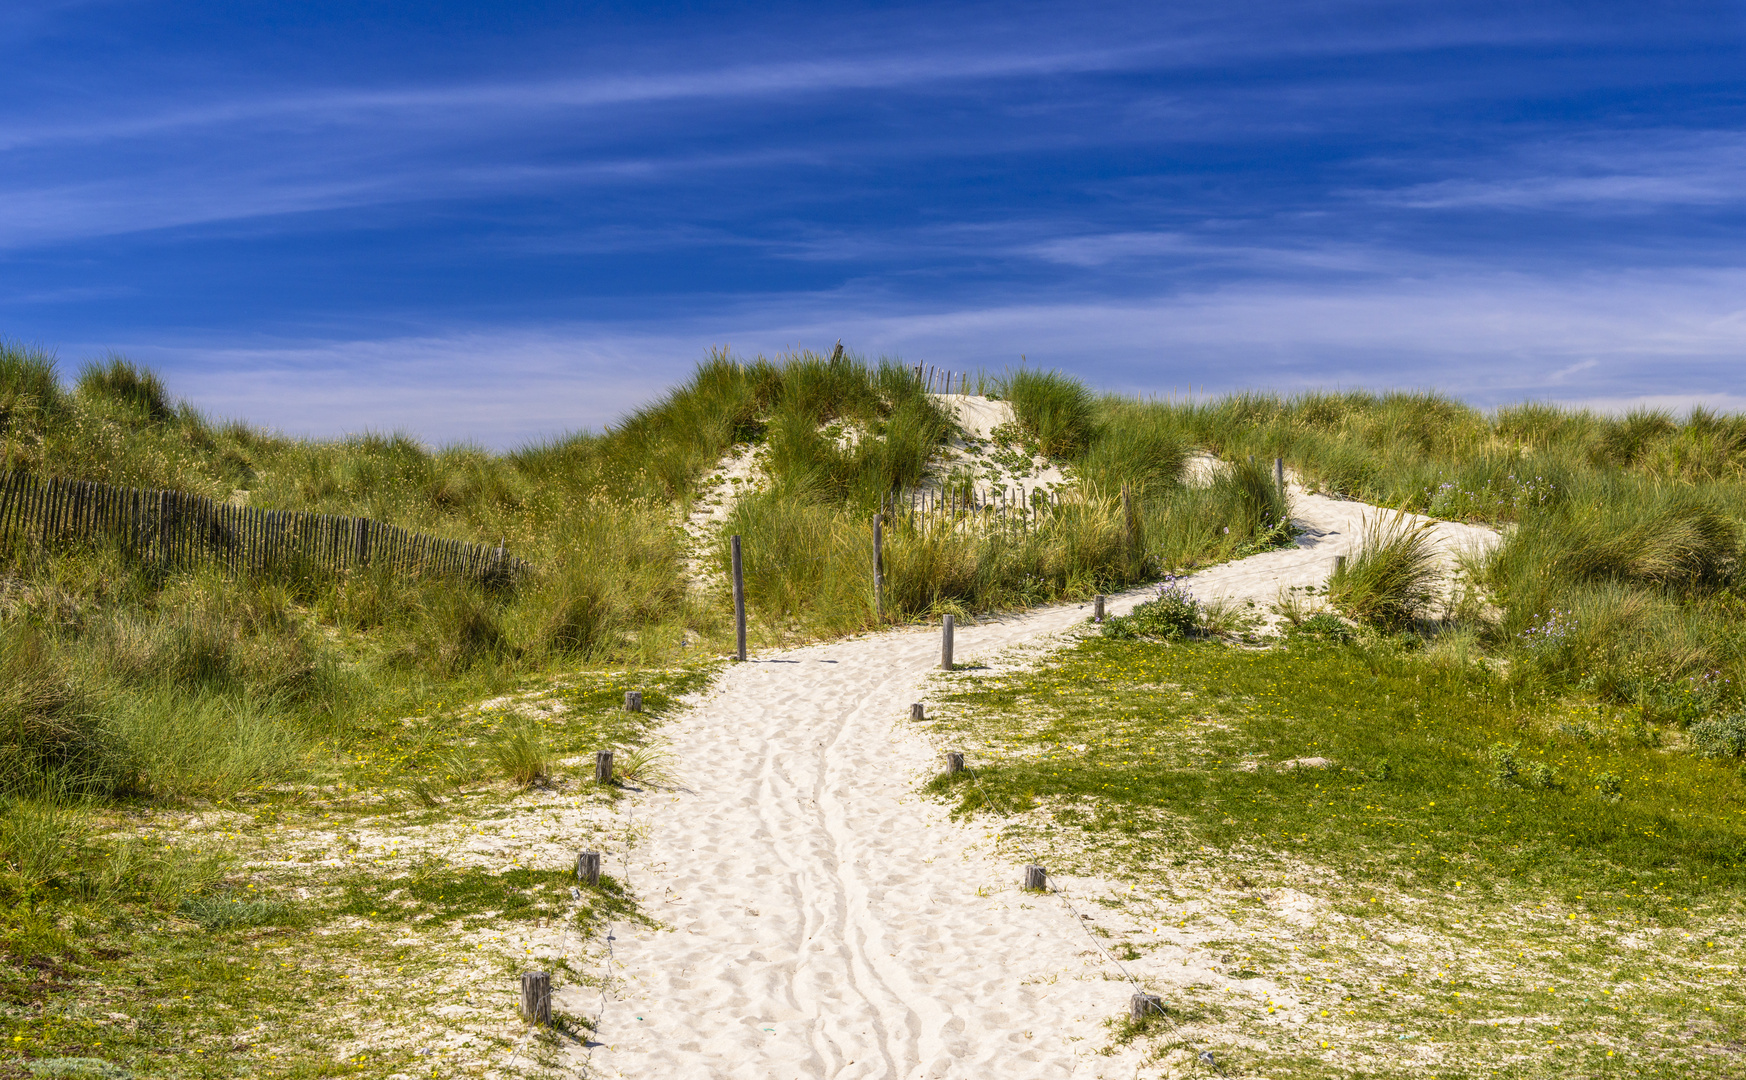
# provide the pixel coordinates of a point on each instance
(499, 222)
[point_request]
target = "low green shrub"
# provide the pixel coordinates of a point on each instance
(40, 839)
(522, 752)
(1389, 581)
(1322, 626)
(1172, 614)
(229, 912)
(1720, 736)
(133, 386)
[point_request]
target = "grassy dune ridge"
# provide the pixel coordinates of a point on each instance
(288, 702)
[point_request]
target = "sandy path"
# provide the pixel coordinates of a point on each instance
(820, 919)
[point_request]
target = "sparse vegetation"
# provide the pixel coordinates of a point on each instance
(1390, 581)
(195, 766)
(1518, 880)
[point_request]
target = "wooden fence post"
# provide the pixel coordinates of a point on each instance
(603, 767)
(1097, 608)
(1279, 474)
(1142, 1005)
(879, 567)
(954, 762)
(1036, 880)
(739, 601)
(588, 868)
(946, 644)
(633, 701)
(536, 997)
(916, 712)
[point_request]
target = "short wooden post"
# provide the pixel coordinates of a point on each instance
(1036, 880)
(1279, 474)
(954, 762)
(1339, 565)
(916, 712)
(1141, 1006)
(1097, 608)
(879, 566)
(603, 767)
(633, 701)
(588, 867)
(739, 602)
(360, 542)
(946, 644)
(536, 997)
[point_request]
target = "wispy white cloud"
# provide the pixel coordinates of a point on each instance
(1491, 339)
(499, 388)
(1641, 171)
(1090, 250)
(469, 103)
(193, 194)
(1565, 374)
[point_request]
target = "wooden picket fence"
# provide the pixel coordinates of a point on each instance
(176, 530)
(1011, 510)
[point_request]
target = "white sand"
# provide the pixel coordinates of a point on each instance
(738, 472)
(1328, 528)
(819, 918)
(971, 448)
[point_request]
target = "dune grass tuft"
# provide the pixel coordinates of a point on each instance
(1389, 581)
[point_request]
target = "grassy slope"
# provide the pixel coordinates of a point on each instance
(203, 727)
(1531, 927)
(275, 709)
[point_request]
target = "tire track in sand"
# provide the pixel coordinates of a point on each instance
(820, 919)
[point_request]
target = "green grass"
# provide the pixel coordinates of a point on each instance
(1566, 734)
(1054, 409)
(264, 935)
(1433, 873)
(1392, 577)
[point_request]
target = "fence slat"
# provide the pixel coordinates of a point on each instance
(177, 529)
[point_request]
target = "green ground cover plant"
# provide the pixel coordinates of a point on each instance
(1568, 728)
(327, 926)
(1526, 881)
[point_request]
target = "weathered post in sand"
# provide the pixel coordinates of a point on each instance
(588, 868)
(1036, 880)
(1279, 474)
(603, 767)
(879, 567)
(946, 644)
(916, 712)
(633, 701)
(954, 762)
(739, 602)
(536, 997)
(1097, 608)
(1141, 1006)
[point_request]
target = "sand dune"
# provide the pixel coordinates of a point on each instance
(820, 919)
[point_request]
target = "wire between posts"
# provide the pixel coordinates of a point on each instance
(611, 964)
(1066, 902)
(611, 955)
